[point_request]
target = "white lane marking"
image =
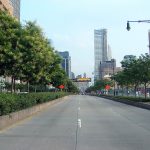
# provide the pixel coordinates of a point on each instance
(79, 123)
(78, 108)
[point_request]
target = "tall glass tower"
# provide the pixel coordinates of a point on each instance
(100, 50)
(16, 8)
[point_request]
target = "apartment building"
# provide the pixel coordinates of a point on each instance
(5, 5)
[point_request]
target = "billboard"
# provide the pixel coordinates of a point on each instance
(81, 80)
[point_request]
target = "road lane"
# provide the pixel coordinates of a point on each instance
(109, 125)
(53, 129)
(82, 123)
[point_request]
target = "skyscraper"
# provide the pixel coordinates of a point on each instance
(16, 8)
(100, 50)
(66, 62)
(109, 55)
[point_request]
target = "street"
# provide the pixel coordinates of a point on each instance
(81, 123)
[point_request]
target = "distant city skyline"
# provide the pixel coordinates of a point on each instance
(70, 25)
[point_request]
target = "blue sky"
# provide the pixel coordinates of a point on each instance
(70, 25)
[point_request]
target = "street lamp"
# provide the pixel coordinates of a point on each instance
(139, 21)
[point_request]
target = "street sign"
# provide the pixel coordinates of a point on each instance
(81, 80)
(107, 87)
(61, 86)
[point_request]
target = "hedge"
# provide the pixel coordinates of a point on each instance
(133, 99)
(14, 102)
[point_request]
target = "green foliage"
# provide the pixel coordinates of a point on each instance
(99, 85)
(15, 102)
(37, 54)
(135, 73)
(26, 54)
(58, 77)
(71, 87)
(10, 30)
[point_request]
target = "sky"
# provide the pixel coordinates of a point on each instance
(70, 25)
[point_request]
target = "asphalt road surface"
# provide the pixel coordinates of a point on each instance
(81, 123)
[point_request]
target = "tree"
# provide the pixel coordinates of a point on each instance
(99, 85)
(10, 32)
(58, 77)
(26, 54)
(132, 72)
(121, 79)
(71, 87)
(145, 71)
(37, 54)
(135, 73)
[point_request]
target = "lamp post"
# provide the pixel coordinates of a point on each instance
(139, 21)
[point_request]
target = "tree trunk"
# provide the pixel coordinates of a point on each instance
(12, 84)
(135, 90)
(28, 86)
(127, 90)
(145, 90)
(35, 88)
(45, 88)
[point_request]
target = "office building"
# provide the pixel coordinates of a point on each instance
(16, 8)
(107, 68)
(12, 6)
(66, 62)
(72, 75)
(109, 55)
(5, 5)
(100, 50)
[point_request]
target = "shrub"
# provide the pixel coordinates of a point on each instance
(133, 99)
(15, 102)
